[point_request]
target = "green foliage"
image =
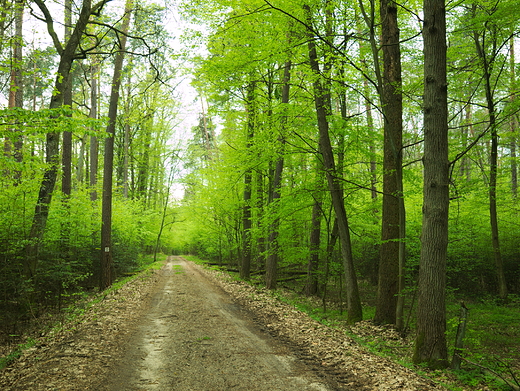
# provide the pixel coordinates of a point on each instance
(16, 353)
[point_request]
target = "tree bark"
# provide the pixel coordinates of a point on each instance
(430, 343)
(391, 99)
(271, 263)
(106, 275)
(323, 106)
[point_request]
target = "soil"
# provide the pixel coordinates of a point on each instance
(187, 328)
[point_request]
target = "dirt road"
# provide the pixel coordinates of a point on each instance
(181, 329)
(194, 338)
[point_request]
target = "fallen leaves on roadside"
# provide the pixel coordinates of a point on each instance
(332, 347)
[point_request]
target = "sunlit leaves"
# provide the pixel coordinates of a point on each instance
(47, 121)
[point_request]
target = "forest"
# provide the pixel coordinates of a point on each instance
(362, 153)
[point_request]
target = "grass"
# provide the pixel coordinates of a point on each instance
(177, 269)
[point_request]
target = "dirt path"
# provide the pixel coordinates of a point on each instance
(194, 338)
(185, 328)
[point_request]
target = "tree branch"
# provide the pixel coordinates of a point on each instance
(50, 24)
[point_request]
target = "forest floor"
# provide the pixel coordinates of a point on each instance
(187, 328)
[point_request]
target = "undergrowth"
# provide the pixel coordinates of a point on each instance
(79, 303)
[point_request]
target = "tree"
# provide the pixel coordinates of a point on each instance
(392, 236)
(106, 276)
(67, 56)
(513, 121)
(66, 180)
(430, 343)
(245, 267)
(323, 109)
(94, 142)
(16, 85)
(311, 286)
(488, 45)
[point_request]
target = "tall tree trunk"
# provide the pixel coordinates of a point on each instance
(126, 142)
(271, 271)
(94, 143)
(5, 10)
(143, 176)
(271, 264)
(323, 109)
(260, 205)
(372, 146)
(499, 265)
(465, 169)
(245, 266)
(67, 53)
(487, 67)
(16, 87)
(106, 276)
(430, 343)
(392, 102)
(513, 121)
(66, 180)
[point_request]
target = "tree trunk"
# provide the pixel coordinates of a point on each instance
(322, 104)
(311, 286)
(41, 211)
(513, 121)
(94, 143)
(66, 159)
(430, 343)
(271, 273)
(391, 99)
(493, 161)
(499, 265)
(16, 88)
(372, 146)
(126, 142)
(260, 205)
(106, 276)
(245, 267)
(271, 264)
(143, 178)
